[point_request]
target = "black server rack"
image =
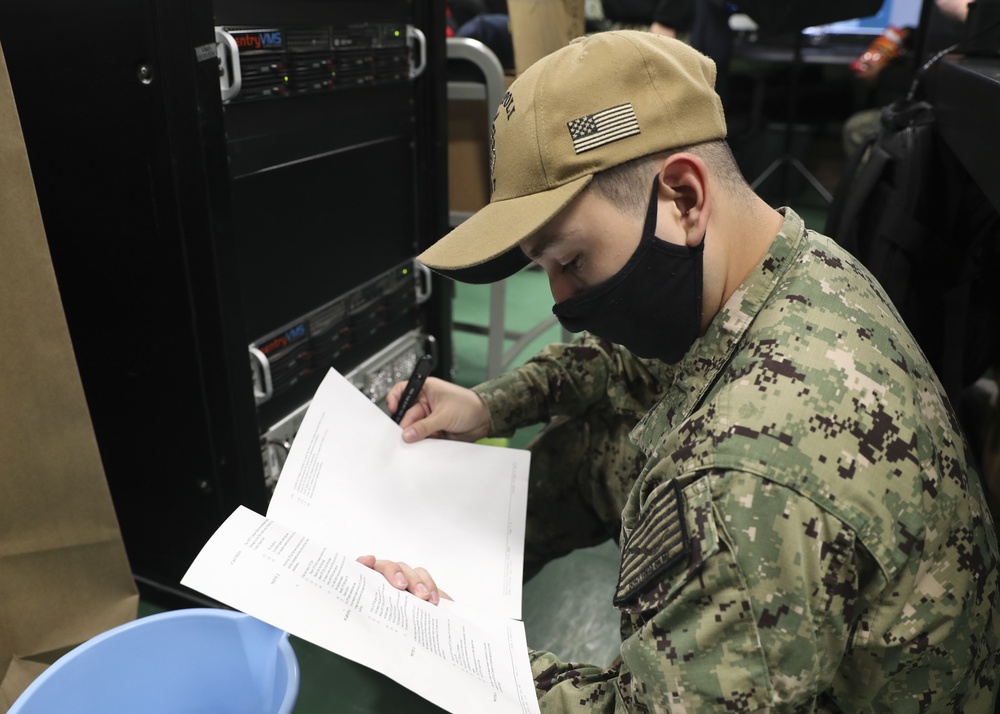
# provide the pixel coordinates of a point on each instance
(233, 193)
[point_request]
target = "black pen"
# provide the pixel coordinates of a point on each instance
(413, 387)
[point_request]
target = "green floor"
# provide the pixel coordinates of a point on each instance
(567, 606)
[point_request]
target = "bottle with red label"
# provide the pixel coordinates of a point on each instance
(883, 49)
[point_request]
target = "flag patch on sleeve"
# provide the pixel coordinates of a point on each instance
(604, 127)
(659, 541)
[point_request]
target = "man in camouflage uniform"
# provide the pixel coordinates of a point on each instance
(806, 532)
(583, 464)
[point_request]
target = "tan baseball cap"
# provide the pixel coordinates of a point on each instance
(596, 103)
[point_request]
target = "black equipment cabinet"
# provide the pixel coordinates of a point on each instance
(184, 230)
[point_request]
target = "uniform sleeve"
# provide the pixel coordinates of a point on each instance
(566, 380)
(738, 596)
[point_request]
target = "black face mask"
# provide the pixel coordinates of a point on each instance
(652, 306)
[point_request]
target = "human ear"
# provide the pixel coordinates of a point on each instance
(683, 184)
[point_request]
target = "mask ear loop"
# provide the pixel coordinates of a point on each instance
(649, 228)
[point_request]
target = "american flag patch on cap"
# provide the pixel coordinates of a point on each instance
(604, 127)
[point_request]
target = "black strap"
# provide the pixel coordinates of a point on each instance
(847, 198)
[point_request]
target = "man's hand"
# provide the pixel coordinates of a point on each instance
(958, 9)
(402, 577)
(443, 410)
(660, 29)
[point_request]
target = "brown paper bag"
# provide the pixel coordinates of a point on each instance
(64, 576)
(539, 27)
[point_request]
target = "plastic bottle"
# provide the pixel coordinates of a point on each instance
(882, 50)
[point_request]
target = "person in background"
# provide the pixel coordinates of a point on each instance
(493, 30)
(491, 23)
(805, 532)
(483, 20)
(462, 11)
(890, 77)
(671, 18)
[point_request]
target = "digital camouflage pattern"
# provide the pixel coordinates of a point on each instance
(838, 555)
(591, 394)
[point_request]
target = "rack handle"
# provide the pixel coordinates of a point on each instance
(230, 76)
(415, 35)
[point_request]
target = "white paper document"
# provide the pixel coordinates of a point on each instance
(351, 487)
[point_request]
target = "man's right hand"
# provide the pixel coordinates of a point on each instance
(442, 410)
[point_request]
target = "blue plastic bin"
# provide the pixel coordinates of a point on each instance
(193, 661)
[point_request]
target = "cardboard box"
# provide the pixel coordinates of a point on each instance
(468, 156)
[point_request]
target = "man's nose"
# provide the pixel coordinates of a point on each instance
(559, 286)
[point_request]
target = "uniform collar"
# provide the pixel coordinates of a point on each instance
(710, 353)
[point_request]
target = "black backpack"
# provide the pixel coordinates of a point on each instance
(911, 214)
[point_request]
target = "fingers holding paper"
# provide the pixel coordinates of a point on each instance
(442, 410)
(403, 577)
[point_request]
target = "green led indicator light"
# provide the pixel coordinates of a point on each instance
(286, 77)
(406, 271)
(397, 33)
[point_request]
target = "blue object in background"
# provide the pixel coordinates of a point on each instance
(493, 30)
(191, 661)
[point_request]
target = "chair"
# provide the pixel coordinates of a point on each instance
(193, 660)
(476, 86)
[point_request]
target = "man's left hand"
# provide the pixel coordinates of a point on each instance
(402, 577)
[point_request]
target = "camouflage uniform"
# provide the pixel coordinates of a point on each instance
(591, 394)
(807, 533)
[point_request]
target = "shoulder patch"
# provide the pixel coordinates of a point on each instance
(659, 541)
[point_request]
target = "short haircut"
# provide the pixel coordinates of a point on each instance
(627, 185)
